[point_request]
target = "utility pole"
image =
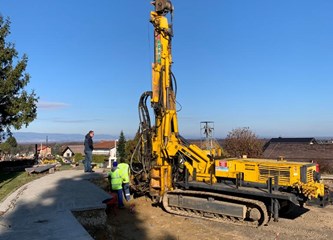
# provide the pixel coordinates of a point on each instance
(207, 129)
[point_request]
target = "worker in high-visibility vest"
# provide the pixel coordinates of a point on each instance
(125, 172)
(116, 183)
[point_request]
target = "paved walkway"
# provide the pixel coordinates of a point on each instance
(42, 208)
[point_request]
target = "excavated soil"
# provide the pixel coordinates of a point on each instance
(141, 220)
(144, 221)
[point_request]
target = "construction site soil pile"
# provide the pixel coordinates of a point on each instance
(141, 220)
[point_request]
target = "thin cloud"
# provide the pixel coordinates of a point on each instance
(52, 105)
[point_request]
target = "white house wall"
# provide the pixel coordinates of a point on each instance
(113, 153)
(68, 153)
(101, 152)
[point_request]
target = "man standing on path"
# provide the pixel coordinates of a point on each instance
(116, 183)
(125, 172)
(88, 148)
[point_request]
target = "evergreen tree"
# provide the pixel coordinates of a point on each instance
(130, 147)
(4, 148)
(17, 106)
(56, 149)
(121, 148)
(12, 142)
(9, 146)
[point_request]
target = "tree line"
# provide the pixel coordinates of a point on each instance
(238, 143)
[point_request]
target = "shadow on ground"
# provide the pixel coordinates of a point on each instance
(7, 177)
(294, 212)
(122, 224)
(43, 210)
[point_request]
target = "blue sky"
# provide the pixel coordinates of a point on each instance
(263, 64)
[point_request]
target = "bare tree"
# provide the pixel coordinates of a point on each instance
(242, 141)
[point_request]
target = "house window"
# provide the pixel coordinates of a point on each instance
(68, 154)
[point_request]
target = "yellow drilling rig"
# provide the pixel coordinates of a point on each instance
(193, 182)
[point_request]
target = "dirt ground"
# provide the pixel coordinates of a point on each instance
(149, 222)
(141, 220)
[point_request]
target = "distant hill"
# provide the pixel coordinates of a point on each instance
(31, 137)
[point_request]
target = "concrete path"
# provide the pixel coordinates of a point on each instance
(42, 208)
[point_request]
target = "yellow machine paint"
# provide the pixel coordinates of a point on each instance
(287, 174)
(166, 142)
(170, 163)
(162, 100)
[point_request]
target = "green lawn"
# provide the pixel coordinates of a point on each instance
(11, 181)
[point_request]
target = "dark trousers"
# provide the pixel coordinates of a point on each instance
(126, 191)
(120, 197)
(87, 161)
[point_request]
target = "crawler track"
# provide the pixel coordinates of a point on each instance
(252, 206)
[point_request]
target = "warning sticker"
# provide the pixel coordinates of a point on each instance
(221, 165)
(220, 168)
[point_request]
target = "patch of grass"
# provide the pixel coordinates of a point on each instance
(65, 167)
(11, 181)
(99, 158)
